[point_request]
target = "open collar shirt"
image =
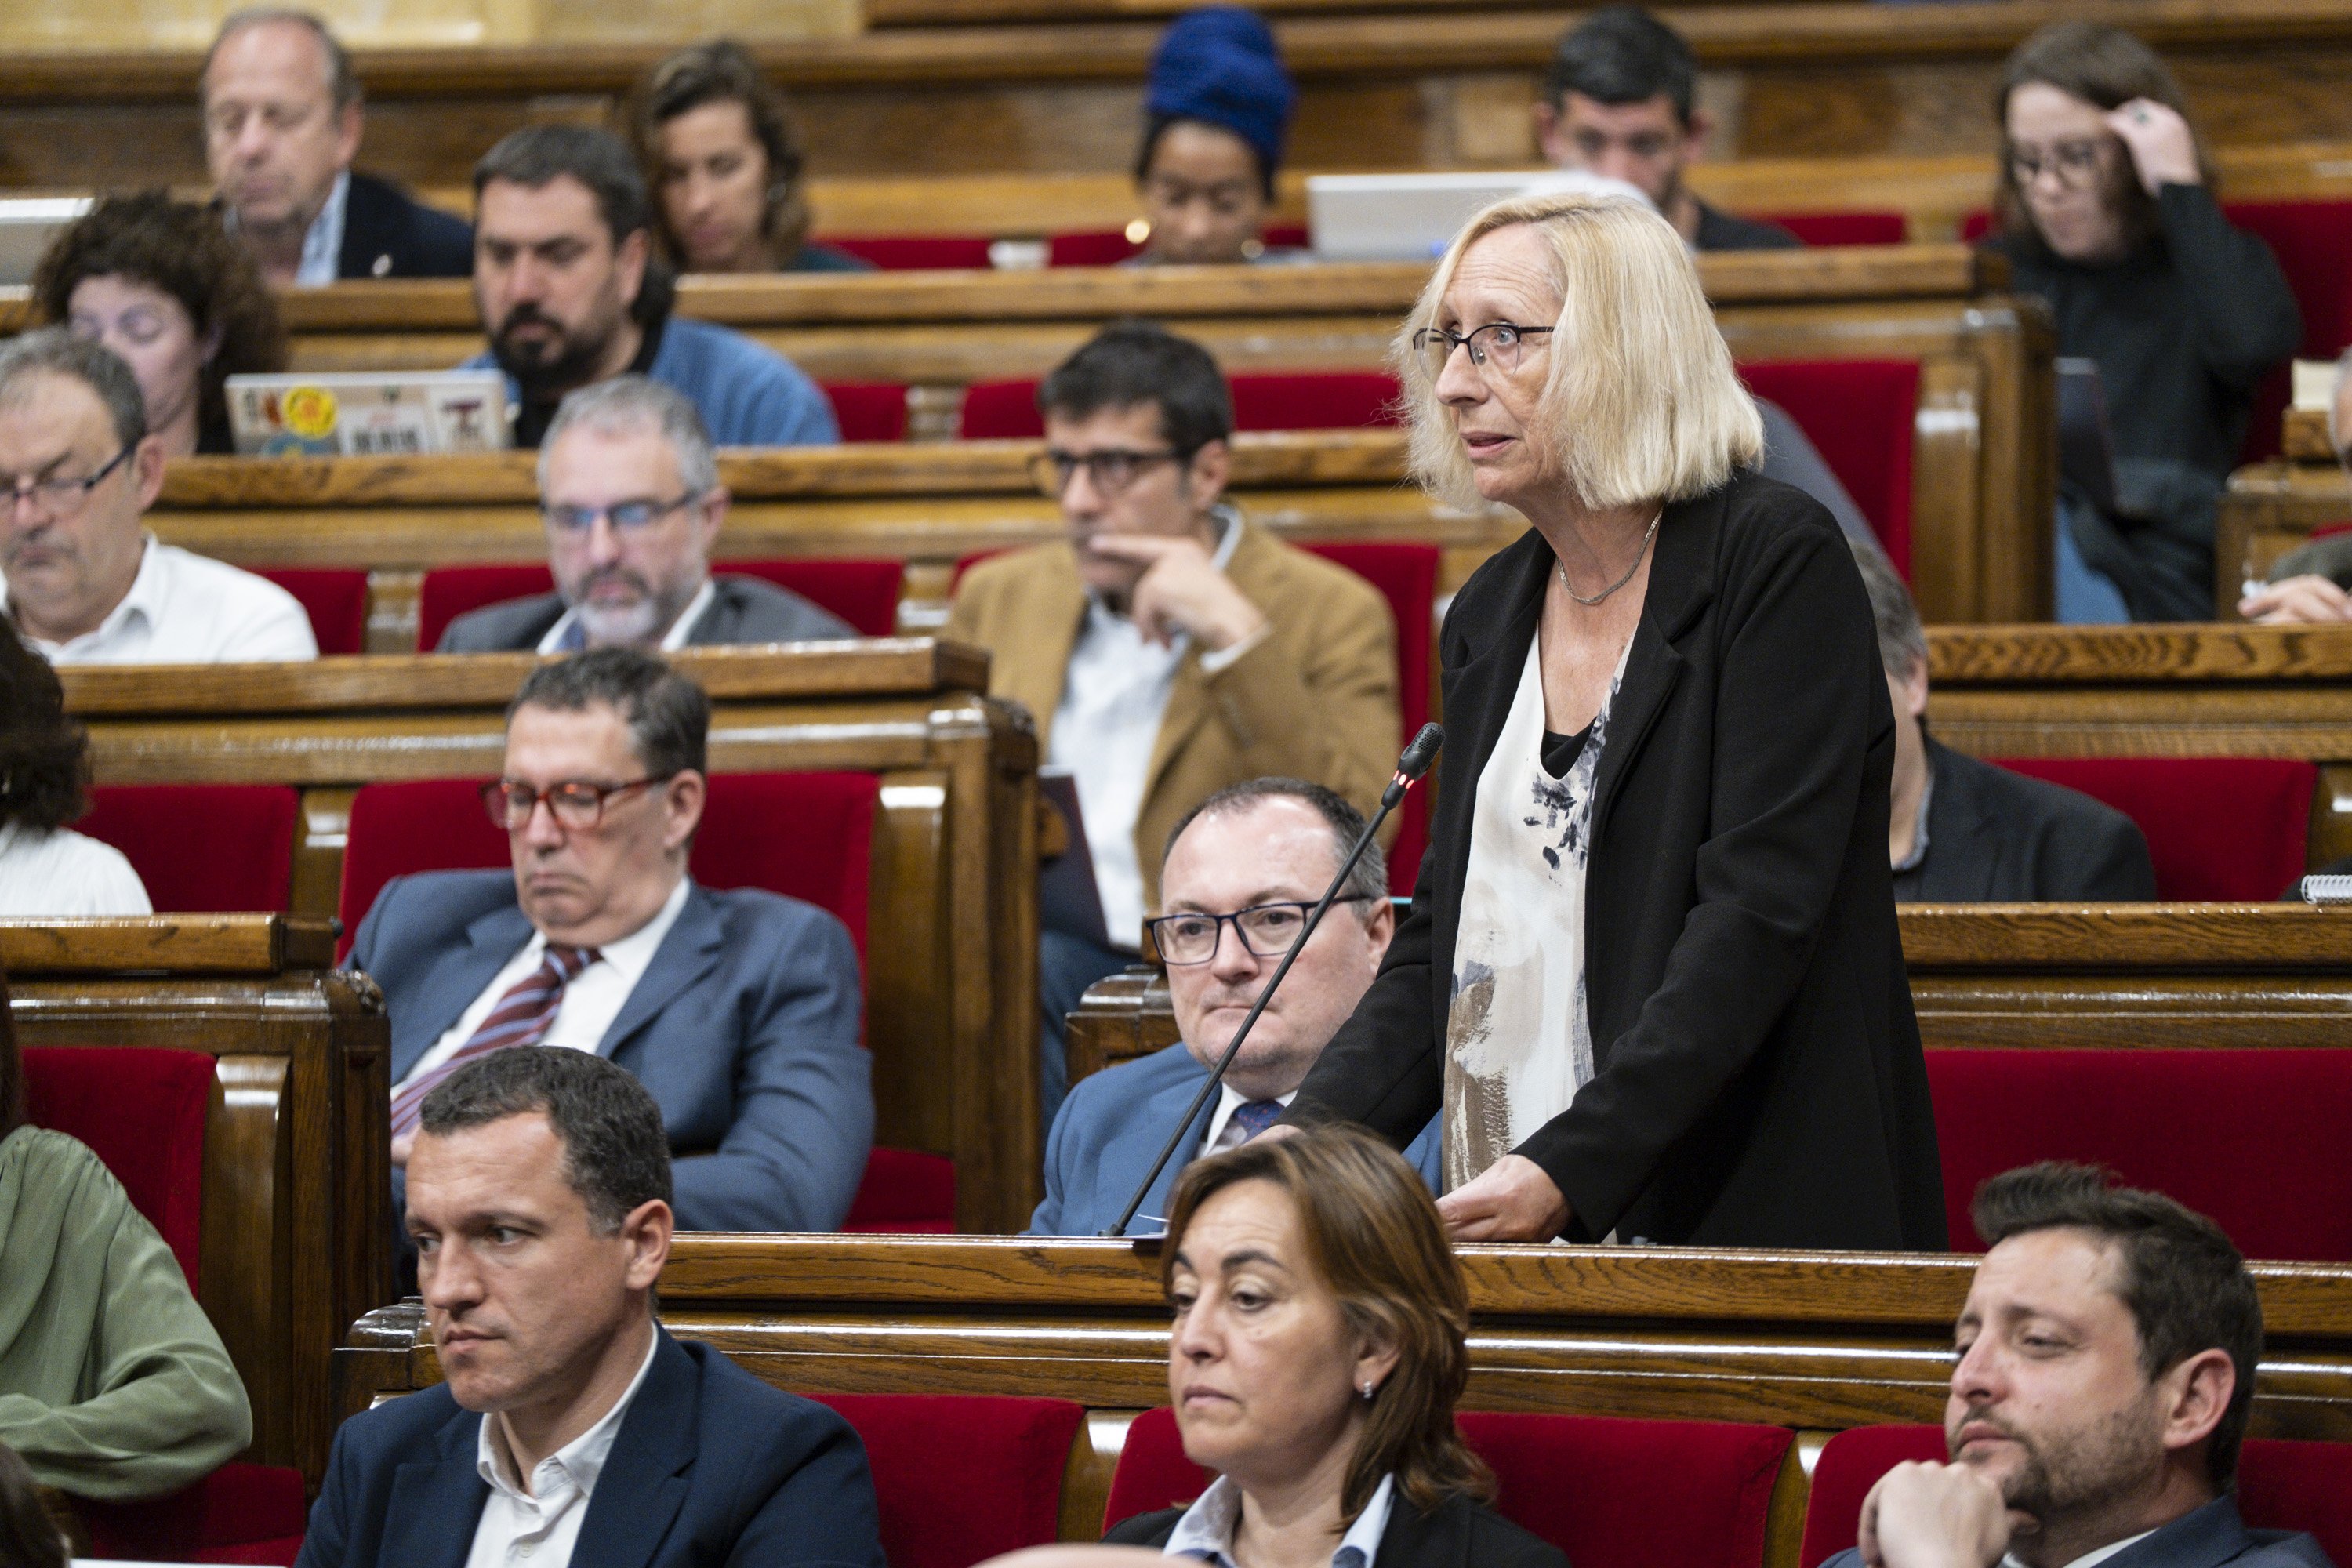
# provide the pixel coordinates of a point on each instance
(539, 1528)
(186, 608)
(1206, 1530)
(565, 635)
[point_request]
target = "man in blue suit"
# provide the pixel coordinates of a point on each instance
(738, 1011)
(570, 1429)
(1240, 872)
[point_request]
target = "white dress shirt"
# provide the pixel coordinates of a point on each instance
(56, 873)
(1223, 1134)
(322, 242)
(2091, 1558)
(1206, 1530)
(186, 608)
(539, 1527)
(1114, 694)
(672, 639)
(590, 1003)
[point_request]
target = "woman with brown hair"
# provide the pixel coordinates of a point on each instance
(47, 869)
(2108, 214)
(1318, 1352)
(162, 284)
(723, 160)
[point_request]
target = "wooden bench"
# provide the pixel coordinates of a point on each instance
(2272, 507)
(297, 1226)
(952, 998)
(1803, 1340)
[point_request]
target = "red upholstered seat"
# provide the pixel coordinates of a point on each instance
(2311, 241)
(1110, 246)
(865, 592)
(2218, 827)
(1611, 1493)
(1333, 400)
(336, 600)
(1860, 414)
(2281, 1485)
(1000, 411)
(904, 1192)
(2253, 1137)
(868, 410)
(1843, 228)
(962, 1477)
(210, 848)
(1406, 575)
(916, 253)
(239, 1513)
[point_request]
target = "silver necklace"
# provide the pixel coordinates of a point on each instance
(1561, 567)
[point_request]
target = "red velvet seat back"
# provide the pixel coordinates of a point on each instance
(2232, 828)
(1406, 575)
(1861, 228)
(1611, 1493)
(336, 600)
(143, 1114)
(1320, 400)
(202, 849)
(1110, 246)
(1860, 415)
(963, 1478)
(865, 592)
(868, 410)
(917, 252)
(2311, 241)
(2281, 1485)
(2253, 1138)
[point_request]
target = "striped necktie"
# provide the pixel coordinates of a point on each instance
(1255, 1116)
(521, 1018)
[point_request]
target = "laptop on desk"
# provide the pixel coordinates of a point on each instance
(403, 413)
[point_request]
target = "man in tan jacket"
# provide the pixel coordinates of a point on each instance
(1169, 649)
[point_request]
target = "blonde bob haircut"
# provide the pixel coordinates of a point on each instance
(1641, 403)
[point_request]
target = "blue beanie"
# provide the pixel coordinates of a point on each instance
(1219, 65)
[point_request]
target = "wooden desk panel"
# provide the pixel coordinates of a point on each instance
(297, 1226)
(2270, 509)
(951, 1000)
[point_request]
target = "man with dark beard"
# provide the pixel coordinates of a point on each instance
(570, 293)
(2105, 1374)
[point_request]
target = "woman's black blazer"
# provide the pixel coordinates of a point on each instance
(1457, 1533)
(1758, 1080)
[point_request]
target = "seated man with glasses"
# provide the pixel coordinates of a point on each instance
(81, 579)
(1242, 870)
(628, 486)
(1168, 648)
(738, 1010)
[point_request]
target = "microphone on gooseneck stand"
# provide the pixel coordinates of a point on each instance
(1409, 769)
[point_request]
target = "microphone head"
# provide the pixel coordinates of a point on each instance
(1422, 753)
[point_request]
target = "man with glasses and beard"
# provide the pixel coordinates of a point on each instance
(628, 488)
(571, 294)
(1168, 648)
(738, 1011)
(2105, 1374)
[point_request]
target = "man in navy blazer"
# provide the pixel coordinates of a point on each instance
(738, 1011)
(1239, 871)
(2104, 1378)
(571, 1430)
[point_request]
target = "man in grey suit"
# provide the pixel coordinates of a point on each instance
(1240, 870)
(738, 1011)
(2105, 1374)
(628, 487)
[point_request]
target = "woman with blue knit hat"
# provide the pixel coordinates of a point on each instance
(1217, 109)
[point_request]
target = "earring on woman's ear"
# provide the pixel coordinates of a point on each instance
(1369, 1388)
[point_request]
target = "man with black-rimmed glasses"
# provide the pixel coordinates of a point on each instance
(85, 582)
(738, 1010)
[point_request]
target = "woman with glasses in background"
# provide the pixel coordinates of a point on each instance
(2106, 211)
(1651, 978)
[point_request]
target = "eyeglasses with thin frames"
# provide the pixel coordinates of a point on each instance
(1267, 931)
(626, 517)
(59, 499)
(2076, 163)
(1499, 343)
(575, 803)
(1109, 472)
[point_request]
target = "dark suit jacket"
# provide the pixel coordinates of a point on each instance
(1998, 836)
(387, 235)
(741, 610)
(710, 1467)
(1719, 230)
(1458, 1534)
(1759, 1078)
(744, 1028)
(2207, 1538)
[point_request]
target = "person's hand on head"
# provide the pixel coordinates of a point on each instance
(1511, 1200)
(1182, 590)
(1934, 1516)
(2163, 152)
(2307, 600)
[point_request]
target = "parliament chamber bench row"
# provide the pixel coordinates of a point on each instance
(2278, 505)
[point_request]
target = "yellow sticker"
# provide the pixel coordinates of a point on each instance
(310, 411)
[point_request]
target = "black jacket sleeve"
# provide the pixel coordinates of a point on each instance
(2244, 316)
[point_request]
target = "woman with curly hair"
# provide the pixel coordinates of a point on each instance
(163, 285)
(47, 869)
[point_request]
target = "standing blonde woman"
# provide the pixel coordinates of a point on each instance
(1651, 976)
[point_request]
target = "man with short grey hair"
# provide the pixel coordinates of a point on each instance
(567, 1422)
(79, 577)
(629, 491)
(282, 122)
